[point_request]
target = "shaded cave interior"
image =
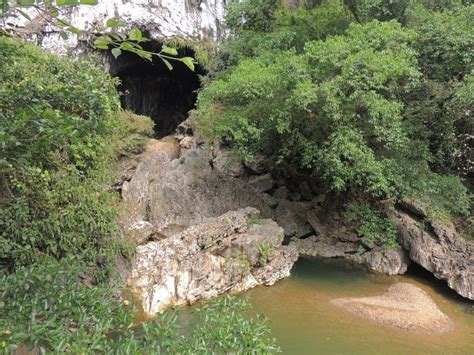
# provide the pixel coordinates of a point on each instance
(151, 89)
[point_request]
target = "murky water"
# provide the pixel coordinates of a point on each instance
(304, 322)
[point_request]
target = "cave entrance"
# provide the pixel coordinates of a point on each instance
(151, 89)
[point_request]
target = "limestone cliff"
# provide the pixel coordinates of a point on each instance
(190, 19)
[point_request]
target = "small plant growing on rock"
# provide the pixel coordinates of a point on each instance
(373, 228)
(252, 221)
(264, 250)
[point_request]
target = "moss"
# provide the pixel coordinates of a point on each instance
(204, 51)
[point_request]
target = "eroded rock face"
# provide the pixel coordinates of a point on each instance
(403, 306)
(378, 259)
(222, 254)
(176, 194)
(440, 251)
(189, 19)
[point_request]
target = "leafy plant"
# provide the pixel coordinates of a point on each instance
(49, 309)
(373, 228)
(264, 250)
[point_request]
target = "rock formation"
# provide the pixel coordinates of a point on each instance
(189, 19)
(378, 259)
(439, 250)
(403, 306)
(228, 253)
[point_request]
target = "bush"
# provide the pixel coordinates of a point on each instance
(334, 109)
(57, 118)
(49, 309)
(373, 228)
(354, 108)
(133, 133)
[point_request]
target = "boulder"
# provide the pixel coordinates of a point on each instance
(292, 217)
(321, 246)
(403, 306)
(391, 261)
(440, 251)
(210, 258)
(176, 194)
(386, 261)
(261, 183)
(227, 162)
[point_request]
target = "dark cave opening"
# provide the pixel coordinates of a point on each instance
(151, 89)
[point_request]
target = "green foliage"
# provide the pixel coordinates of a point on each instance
(445, 41)
(57, 118)
(46, 307)
(49, 310)
(264, 251)
(255, 15)
(252, 221)
(373, 228)
(381, 10)
(333, 109)
(133, 133)
(52, 110)
(441, 110)
(370, 108)
(313, 22)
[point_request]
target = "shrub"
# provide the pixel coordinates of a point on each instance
(333, 110)
(50, 310)
(57, 118)
(132, 134)
(373, 228)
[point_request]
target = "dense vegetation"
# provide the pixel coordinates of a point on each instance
(375, 98)
(61, 133)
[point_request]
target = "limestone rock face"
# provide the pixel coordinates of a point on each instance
(386, 261)
(176, 194)
(403, 306)
(218, 255)
(440, 251)
(189, 19)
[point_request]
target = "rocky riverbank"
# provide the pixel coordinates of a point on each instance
(179, 189)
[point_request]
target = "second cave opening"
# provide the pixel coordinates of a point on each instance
(151, 89)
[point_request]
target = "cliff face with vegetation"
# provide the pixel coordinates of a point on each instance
(187, 19)
(349, 123)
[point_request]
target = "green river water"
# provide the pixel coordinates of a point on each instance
(304, 322)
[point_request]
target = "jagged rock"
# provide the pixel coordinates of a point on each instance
(125, 169)
(282, 193)
(414, 206)
(228, 163)
(292, 217)
(403, 306)
(209, 259)
(386, 261)
(321, 246)
(305, 191)
(187, 143)
(169, 146)
(257, 166)
(440, 251)
(176, 194)
(261, 183)
(318, 200)
(313, 220)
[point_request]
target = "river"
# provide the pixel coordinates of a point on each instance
(304, 322)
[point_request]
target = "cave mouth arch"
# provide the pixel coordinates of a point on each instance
(151, 89)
